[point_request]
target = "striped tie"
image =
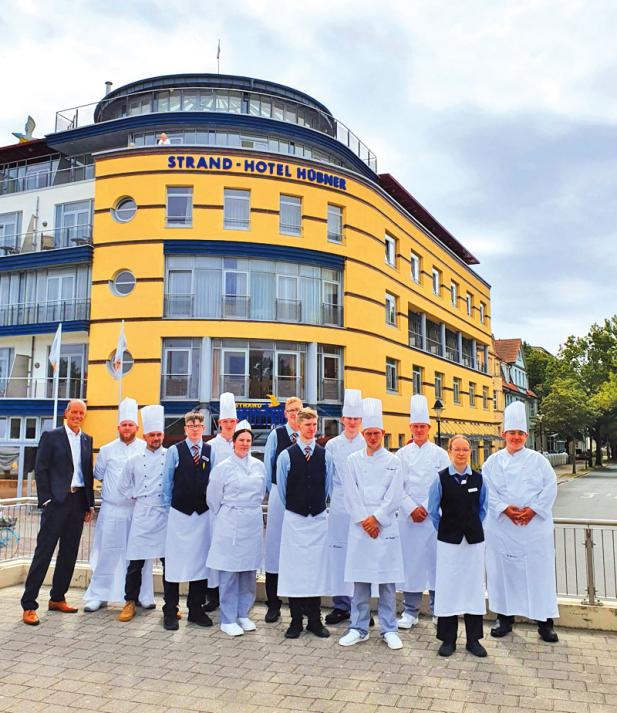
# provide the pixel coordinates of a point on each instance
(196, 455)
(294, 437)
(307, 453)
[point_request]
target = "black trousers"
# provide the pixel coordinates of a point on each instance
(305, 606)
(212, 595)
(60, 523)
(272, 599)
(195, 599)
(447, 628)
(510, 620)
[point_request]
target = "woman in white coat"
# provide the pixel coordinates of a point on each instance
(235, 492)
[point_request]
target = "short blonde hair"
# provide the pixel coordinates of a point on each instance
(293, 400)
(458, 436)
(306, 414)
(193, 417)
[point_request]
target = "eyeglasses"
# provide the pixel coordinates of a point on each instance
(194, 425)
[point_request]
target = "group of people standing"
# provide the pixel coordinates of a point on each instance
(349, 520)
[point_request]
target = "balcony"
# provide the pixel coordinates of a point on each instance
(451, 353)
(236, 306)
(25, 387)
(36, 241)
(42, 312)
(415, 339)
(330, 390)
(46, 177)
(433, 346)
(288, 310)
(332, 314)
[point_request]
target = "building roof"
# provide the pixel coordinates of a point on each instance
(507, 349)
(402, 196)
(22, 151)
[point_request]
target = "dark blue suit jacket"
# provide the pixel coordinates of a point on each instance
(53, 469)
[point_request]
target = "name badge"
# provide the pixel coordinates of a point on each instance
(472, 490)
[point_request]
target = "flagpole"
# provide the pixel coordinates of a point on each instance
(120, 379)
(56, 384)
(54, 359)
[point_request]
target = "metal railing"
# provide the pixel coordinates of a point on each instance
(288, 310)
(331, 314)
(35, 241)
(41, 312)
(45, 178)
(330, 390)
(26, 387)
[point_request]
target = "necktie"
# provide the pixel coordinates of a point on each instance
(196, 454)
(307, 453)
(294, 437)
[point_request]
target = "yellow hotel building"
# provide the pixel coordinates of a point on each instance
(256, 250)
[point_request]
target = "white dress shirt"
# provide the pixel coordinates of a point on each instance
(77, 480)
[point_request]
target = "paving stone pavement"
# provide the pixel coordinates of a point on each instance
(92, 662)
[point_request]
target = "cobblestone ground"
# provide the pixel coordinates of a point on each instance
(91, 662)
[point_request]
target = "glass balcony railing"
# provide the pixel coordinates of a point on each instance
(40, 312)
(43, 388)
(330, 390)
(45, 177)
(35, 241)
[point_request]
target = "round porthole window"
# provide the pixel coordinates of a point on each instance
(125, 210)
(127, 363)
(122, 283)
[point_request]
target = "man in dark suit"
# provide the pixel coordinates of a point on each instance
(63, 473)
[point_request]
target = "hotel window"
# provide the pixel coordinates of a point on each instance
(180, 377)
(236, 209)
(482, 312)
(390, 309)
(290, 215)
(439, 385)
(73, 224)
(485, 398)
(391, 375)
(416, 377)
(453, 294)
(456, 390)
(415, 267)
(390, 245)
(469, 303)
(179, 206)
(472, 394)
(329, 373)
(436, 282)
(6, 360)
(335, 223)
(495, 399)
(10, 229)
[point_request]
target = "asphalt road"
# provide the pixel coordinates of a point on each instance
(591, 496)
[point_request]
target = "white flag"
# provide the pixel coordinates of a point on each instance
(118, 356)
(54, 352)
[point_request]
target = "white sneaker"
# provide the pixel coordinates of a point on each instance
(353, 636)
(407, 621)
(232, 629)
(246, 624)
(94, 605)
(392, 640)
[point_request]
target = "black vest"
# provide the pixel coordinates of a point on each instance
(191, 480)
(283, 441)
(460, 509)
(306, 481)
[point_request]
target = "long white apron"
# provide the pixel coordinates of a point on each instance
(338, 531)
(108, 557)
(419, 544)
(147, 533)
(304, 555)
(520, 569)
(237, 535)
(378, 560)
(459, 579)
(186, 546)
(274, 524)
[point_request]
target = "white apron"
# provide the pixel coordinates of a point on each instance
(236, 539)
(186, 546)
(304, 554)
(419, 544)
(459, 579)
(274, 524)
(108, 557)
(147, 533)
(338, 531)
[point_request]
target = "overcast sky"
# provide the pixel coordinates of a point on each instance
(500, 117)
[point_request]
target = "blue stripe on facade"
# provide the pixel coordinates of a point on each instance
(45, 258)
(80, 325)
(215, 120)
(256, 250)
(30, 407)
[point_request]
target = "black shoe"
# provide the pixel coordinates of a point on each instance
(446, 649)
(548, 634)
(371, 622)
(318, 629)
(336, 616)
(273, 614)
(476, 648)
(294, 631)
(170, 622)
(200, 618)
(502, 628)
(212, 605)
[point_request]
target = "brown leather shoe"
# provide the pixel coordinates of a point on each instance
(128, 612)
(63, 607)
(30, 617)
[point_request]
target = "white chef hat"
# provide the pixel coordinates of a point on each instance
(152, 418)
(352, 404)
(227, 406)
(515, 417)
(371, 414)
(418, 410)
(127, 411)
(243, 425)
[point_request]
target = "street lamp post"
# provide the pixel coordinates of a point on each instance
(438, 409)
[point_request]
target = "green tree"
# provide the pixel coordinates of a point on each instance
(539, 363)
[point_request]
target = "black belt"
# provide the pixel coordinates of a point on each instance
(76, 489)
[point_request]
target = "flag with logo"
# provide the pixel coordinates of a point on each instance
(54, 352)
(116, 365)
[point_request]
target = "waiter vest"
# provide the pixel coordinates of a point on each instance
(306, 482)
(460, 509)
(191, 480)
(283, 441)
